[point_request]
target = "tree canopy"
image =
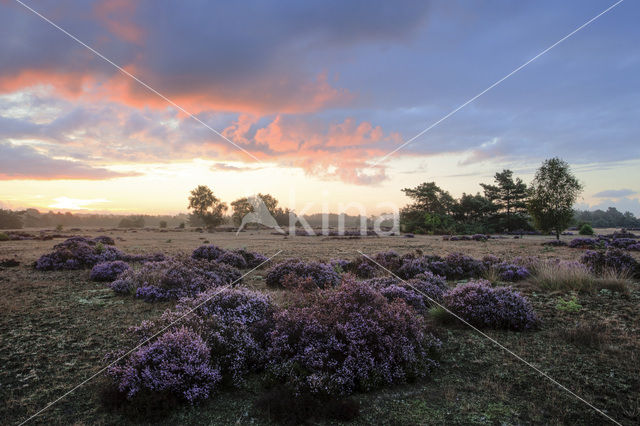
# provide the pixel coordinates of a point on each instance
(554, 191)
(207, 208)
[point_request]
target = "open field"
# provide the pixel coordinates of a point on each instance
(55, 328)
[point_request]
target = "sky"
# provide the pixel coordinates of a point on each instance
(304, 100)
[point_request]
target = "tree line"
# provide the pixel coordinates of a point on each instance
(506, 205)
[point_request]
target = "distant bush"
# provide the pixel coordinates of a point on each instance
(163, 224)
(586, 229)
(351, 339)
(322, 274)
(178, 362)
(108, 271)
(4, 237)
(132, 222)
(492, 307)
(10, 220)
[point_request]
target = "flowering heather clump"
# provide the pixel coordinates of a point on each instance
(412, 267)
(175, 278)
(429, 284)
(390, 259)
(252, 258)
(322, 274)
(78, 253)
(351, 339)
(340, 265)
(462, 266)
(103, 239)
(623, 243)
(233, 259)
(234, 323)
(411, 297)
(511, 272)
(494, 307)
(588, 243)
(208, 252)
(122, 286)
(178, 363)
(108, 271)
(613, 260)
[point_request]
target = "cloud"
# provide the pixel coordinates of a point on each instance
(24, 162)
(197, 53)
(615, 193)
(225, 167)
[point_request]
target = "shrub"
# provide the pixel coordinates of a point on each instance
(233, 259)
(351, 339)
(103, 239)
(390, 260)
(178, 362)
(586, 229)
(234, 323)
(611, 259)
(411, 297)
(495, 307)
(163, 224)
(587, 243)
(322, 274)
(413, 266)
(78, 253)
(624, 243)
(4, 237)
(239, 258)
(453, 267)
(208, 252)
(252, 258)
(511, 272)
(108, 271)
(174, 278)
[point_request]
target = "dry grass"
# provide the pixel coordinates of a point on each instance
(572, 276)
(563, 276)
